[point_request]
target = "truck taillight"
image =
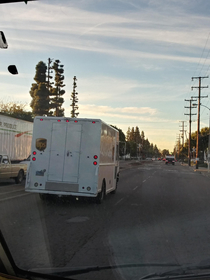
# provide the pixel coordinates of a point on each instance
(75, 121)
(41, 120)
(34, 153)
(33, 158)
(95, 157)
(93, 122)
(59, 120)
(67, 120)
(95, 163)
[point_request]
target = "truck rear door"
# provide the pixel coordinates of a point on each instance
(65, 152)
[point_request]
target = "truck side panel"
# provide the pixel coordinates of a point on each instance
(15, 137)
(109, 166)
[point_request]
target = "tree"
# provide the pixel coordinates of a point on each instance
(142, 137)
(128, 134)
(132, 135)
(156, 151)
(74, 99)
(16, 110)
(39, 92)
(56, 101)
(137, 145)
(39, 102)
(165, 152)
(146, 148)
(203, 141)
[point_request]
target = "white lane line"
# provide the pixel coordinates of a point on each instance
(11, 191)
(135, 188)
(8, 198)
(144, 181)
(119, 201)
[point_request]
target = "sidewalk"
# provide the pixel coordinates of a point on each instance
(201, 170)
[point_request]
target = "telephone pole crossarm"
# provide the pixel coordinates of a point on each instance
(198, 121)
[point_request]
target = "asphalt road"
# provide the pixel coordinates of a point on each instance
(160, 214)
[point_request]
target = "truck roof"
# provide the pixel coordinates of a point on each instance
(169, 156)
(74, 119)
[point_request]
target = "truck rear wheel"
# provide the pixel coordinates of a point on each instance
(19, 177)
(100, 197)
(114, 191)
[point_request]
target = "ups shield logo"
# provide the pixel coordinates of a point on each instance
(41, 144)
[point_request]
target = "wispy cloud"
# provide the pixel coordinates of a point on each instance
(125, 114)
(86, 31)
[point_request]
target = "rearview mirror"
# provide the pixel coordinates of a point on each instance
(3, 41)
(12, 69)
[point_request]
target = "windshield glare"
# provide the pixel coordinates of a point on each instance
(104, 121)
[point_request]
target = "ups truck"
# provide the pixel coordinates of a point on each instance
(73, 156)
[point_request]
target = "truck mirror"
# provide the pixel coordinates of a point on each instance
(12, 69)
(3, 41)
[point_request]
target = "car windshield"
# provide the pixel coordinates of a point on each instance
(96, 95)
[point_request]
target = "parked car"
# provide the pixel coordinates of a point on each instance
(9, 170)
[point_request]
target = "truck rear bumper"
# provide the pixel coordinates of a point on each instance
(62, 193)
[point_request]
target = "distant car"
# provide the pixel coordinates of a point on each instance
(170, 160)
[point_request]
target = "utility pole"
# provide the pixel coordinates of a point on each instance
(198, 122)
(182, 136)
(182, 131)
(190, 121)
(178, 144)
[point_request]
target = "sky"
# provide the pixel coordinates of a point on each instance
(133, 59)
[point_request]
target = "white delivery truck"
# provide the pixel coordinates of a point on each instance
(77, 157)
(15, 137)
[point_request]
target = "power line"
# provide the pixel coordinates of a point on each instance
(202, 53)
(190, 121)
(198, 122)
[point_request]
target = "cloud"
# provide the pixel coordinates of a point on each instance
(87, 31)
(124, 114)
(4, 73)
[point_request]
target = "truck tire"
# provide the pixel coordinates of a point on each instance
(43, 196)
(20, 177)
(100, 197)
(114, 191)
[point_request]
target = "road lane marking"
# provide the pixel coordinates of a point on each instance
(144, 181)
(12, 197)
(135, 188)
(119, 201)
(12, 191)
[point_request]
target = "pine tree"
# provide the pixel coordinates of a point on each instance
(74, 99)
(128, 133)
(39, 92)
(57, 92)
(137, 135)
